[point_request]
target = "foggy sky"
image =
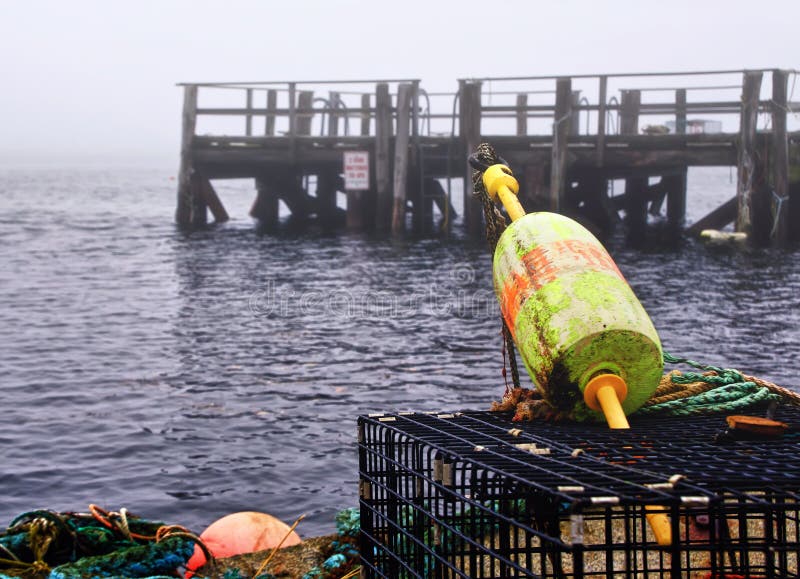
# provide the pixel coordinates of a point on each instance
(84, 79)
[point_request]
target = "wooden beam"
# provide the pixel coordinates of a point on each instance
(561, 131)
(746, 163)
(401, 142)
(211, 199)
(383, 160)
(780, 160)
(183, 213)
(717, 219)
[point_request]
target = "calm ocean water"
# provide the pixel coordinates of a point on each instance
(187, 376)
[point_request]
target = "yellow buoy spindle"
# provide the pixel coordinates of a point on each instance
(500, 183)
(605, 392)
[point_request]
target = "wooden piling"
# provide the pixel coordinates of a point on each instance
(267, 203)
(676, 199)
(333, 113)
(401, 157)
(575, 114)
(327, 209)
(305, 102)
(746, 162)
(383, 161)
(561, 131)
(635, 187)
(780, 160)
(199, 205)
(183, 213)
(469, 100)
(601, 121)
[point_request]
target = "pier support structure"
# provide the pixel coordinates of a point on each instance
(563, 165)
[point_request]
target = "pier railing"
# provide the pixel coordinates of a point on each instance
(509, 105)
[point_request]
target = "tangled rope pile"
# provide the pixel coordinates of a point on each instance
(47, 544)
(712, 391)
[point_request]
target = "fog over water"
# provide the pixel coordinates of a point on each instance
(93, 81)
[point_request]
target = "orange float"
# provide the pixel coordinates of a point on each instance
(238, 533)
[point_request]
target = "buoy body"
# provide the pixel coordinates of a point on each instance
(238, 533)
(572, 314)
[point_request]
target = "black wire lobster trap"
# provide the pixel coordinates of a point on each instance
(476, 495)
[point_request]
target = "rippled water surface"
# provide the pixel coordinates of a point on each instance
(186, 376)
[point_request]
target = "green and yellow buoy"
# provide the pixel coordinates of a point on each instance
(586, 341)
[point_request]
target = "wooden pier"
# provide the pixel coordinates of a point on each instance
(397, 152)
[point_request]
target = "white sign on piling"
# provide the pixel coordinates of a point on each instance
(356, 170)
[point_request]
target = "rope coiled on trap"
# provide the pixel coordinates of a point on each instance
(712, 391)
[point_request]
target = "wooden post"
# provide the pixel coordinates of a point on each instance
(183, 213)
(470, 131)
(272, 104)
(629, 112)
(265, 208)
(305, 101)
(575, 114)
(601, 121)
(676, 200)
(751, 88)
(561, 131)
(522, 114)
(676, 184)
(401, 157)
(327, 210)
(382, 161)
(780, 160)
(365, 115)
(248, 119)
(199, 205)
(333, 114)
(635, 187)
(293, 120)
(680, 111)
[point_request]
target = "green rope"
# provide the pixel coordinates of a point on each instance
(730, 392)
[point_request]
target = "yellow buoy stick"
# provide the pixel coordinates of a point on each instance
(500, 182)
(659, 522)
